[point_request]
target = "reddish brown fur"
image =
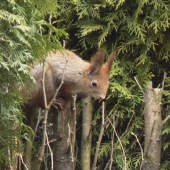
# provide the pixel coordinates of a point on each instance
(78, 77)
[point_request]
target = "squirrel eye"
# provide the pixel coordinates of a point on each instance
(94, 83)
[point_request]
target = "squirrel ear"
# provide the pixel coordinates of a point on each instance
(108, 64)
(97, 62)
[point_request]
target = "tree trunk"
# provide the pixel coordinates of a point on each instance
(63, 156)
(153, 129)
(86, 134)
(28, 147)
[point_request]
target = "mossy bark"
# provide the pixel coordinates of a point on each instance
(153, 129)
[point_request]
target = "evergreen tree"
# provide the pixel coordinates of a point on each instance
(139, 30)
(20, 45)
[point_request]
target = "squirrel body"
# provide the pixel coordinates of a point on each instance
(80, 77)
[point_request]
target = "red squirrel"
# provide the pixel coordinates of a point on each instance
(80, 77)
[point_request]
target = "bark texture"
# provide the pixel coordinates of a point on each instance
(153, 129)
(86, 134)
(62, 120)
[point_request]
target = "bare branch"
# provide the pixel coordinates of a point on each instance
(166, 119)
(163, 81)
(119, 142)
(112, 151)
(127, 126)
(140, 149)
(51, 153)
(138, 84)
(23, 161)
(38, 122)
(100, 136)
(62, 81)
(74, 129)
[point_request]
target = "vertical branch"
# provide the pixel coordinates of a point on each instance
(140, 149)
(111, 159)
(119, 142)
(38, 122)
(23, 161)
(86, 133)
(100, 137)
(74, 128)
(51, 153)
(41, 153)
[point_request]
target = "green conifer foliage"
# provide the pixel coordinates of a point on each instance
(139, 30)
(20, 45)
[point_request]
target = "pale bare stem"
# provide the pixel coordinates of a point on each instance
(107, 164)
(166, 119)
(120, 143)
(139, 85)
(112, 151)
(41, 32)
(70, 143)
(106, 122)
(9, 157)
(50, 24)
(140, 149)
(74, 127)
(45, 161)
(43, 82)
(100, 136)
(20, 155)
(163, 81)
(62, 81)
(41, 153)
(127, 126)
(51, 153)
(38, 122)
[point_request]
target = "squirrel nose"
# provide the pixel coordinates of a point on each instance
(102, 97)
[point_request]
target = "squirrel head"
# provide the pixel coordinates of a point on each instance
(96, 76)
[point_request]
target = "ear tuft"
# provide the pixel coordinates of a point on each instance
(110, 60)
(97, 62)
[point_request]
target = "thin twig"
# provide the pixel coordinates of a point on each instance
(23, 161)
(119, 142)
(41, 153)
(139, 84)
(107, 164)
(127, 126)
(163, 81)
(51, 153)
(70, 143)
(50, 18)
(74, 128)
(140, 149)
(62, 81)
(166, 119)
(9, 157)
(108, 119)
(38, 122)
(100, 136)
(112, 151)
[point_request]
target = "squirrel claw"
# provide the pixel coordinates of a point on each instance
(58, 104)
